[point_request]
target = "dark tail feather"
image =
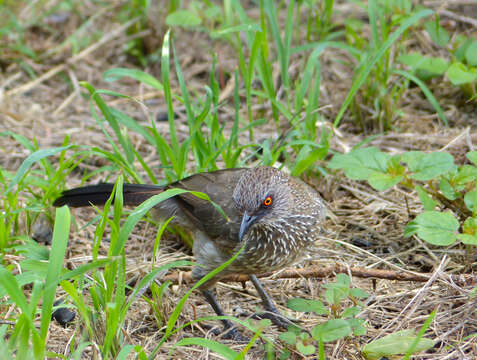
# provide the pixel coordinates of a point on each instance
(133, 194)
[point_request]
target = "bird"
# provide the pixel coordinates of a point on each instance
(272, 215)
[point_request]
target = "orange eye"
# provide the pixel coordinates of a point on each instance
(267, 201)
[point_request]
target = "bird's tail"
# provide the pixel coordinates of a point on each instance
(133, 194)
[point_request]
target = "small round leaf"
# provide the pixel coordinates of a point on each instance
(459, 74)
(437, 228)
(332, 330)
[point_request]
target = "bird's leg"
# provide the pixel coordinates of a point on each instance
(272, 312)
(231, 330)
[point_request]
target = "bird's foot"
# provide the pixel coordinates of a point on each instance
(276, 319)
(231, 334)
(235, 335)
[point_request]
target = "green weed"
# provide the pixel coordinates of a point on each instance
(343, 323)
(439, 182)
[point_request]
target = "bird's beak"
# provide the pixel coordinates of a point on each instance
(247, 221)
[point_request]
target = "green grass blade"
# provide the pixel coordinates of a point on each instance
(125, 351)
(175, 314)
(184, 91)
(177, 310)
(373, 23)
(420, 334)
(166, 81)
(132, 124)
(272, 19)
(146, 280)
(61, 232)
(359, 80)
(82, 269)
(427, 92)
(212, 345)
(311, 64)
(118, 73)
(105, 110)
(145, 166)
(10, 284)
(22, 140)
(32, 159)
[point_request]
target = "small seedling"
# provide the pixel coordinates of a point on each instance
(446, 190)
(343, 322)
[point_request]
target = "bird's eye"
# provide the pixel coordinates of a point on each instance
(267, 201)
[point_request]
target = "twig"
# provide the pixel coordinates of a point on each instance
(326, 271)
(460, 18)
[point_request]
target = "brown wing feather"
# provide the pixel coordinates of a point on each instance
(219, 186)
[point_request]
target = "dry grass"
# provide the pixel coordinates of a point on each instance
(52, 106)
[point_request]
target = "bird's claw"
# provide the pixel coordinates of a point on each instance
(276, 319)
(231, 334)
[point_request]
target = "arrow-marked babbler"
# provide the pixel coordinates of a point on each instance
(273, 215)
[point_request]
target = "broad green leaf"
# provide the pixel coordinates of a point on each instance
(335, 293)
(184, 18)
(467, 239)
(470, 200)
(289, 337)
(359, 293)
(462, 43)
(426, 167)
(305, 305)
(425, 67)
(410, 229)
(471, 54)
(394, 344)
(438, 34)
(437, 228)
(343, 280)
(350, 312)
(472, 156)
(331, 330)
(447, 189)
(383, 181)
(413, 60)
(305, 349)
(213, 12)
(357, 325)
(460, 74)
(361, 163)
(469, 226)
(432, 67)
(428, 202)
(466, 174)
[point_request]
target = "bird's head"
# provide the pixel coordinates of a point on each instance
(263, 195)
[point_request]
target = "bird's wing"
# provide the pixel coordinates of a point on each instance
(219, 186)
